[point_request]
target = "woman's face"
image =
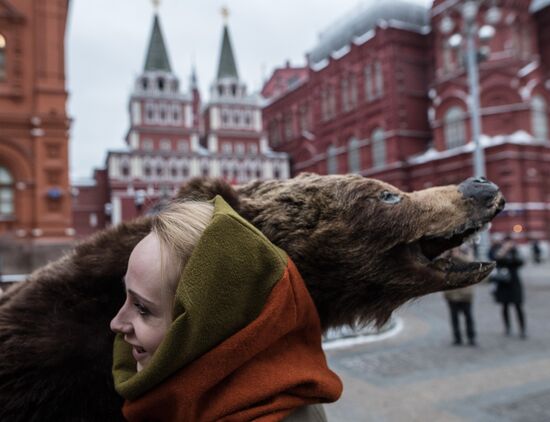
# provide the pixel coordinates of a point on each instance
(144, 318)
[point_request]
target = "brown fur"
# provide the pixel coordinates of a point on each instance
(357, 253)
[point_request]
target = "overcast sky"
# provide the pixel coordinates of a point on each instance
(107, 42)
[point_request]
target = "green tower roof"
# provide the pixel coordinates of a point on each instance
(157, 56)
(227, 66)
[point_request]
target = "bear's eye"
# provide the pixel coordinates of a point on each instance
(390, 197)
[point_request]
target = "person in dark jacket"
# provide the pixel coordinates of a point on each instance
(509, 289)
(460, 302)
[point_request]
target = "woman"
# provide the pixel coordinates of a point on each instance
(509, 290)
(217, 325)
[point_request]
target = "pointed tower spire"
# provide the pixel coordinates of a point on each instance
(226, 66)
(193, 79)
(157, 56)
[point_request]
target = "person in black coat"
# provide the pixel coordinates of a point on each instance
(509, 289)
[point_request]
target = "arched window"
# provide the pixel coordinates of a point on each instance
(332, 160)
(539, 118)
(354, 157)
(454, 129)
(378, 79)
(6, 193)
(2, 57)
(378, 148)
(160, 84)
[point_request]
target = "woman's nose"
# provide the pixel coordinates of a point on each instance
(120, 324)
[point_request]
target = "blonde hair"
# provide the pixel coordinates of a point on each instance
(179, 228)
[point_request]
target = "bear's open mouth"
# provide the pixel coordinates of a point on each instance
(457, 271)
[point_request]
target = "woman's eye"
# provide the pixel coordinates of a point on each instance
(142, 310)
(390, 197)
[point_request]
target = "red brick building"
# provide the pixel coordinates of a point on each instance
(387, 97)
(35, 204)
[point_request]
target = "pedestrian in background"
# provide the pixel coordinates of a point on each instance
(460, 302)
(509, 289)
(535, 247)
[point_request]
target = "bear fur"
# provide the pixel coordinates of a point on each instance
(362, 246)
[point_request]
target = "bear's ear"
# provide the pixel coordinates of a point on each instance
(304, 175)
(205, 188)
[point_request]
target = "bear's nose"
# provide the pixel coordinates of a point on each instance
(479, 189)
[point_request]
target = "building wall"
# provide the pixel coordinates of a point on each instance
(33, 120)
(423, 81)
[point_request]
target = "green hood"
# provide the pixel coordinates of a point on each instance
(222, 289)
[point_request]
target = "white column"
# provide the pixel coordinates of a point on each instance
(257, 120)
(134, 140)
(188, 115)
(264, 145)
(214, 118)
(213, 143)
(114, 164)
(116, 213)
(194, 142)
(136, 112)
(136, 167)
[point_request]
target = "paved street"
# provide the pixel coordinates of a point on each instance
(417, 375)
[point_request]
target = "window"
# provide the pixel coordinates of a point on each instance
(454, 130)
(539, 118)
(379, 79)
(144, 83)
(183, 146)
(344, 87)
(328, 103)
(148, 144)
(354, 158)
(324, 104)
(288, 127)
(165, 145)
(160, 84)
(253, 149)
(274, 133)
(368, 83)
(353, 91)
(239, 148)
(149, 112)
(378, 148)
(448, 64)
(6, 193)
(332, 101)
(147, 170)
(332, 160)
(2, 57)
(304, 117)
(226, 148)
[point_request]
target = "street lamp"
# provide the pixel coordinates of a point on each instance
(473, 55)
